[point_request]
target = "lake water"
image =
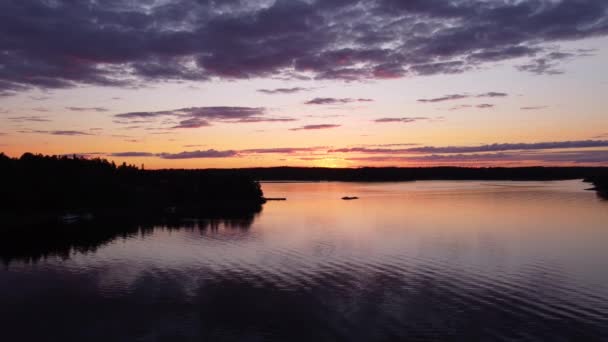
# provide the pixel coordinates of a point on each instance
(438, 261)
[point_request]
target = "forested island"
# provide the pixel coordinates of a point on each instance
(36, 187)
(47, 185)
(396, 174)
(598, 176)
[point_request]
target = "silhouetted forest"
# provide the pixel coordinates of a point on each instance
(50, 184)
(600, 184)
(389, 174)
(596, 175)
(31, 243)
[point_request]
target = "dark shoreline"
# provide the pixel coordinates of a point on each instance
(39, 189)
(597, 176)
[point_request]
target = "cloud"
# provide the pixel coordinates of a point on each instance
(493, 94)
(283, 90)
(281, 150)
(192, 123)
(195, 117)
(485, 106)
(561, 152)
(199, 154)
(58, 132)
(395, 144)
(460, 107)
(210, 113)
(333, 101)
(39, 98)
(64, 43)
(480, 148)
(597, 157)
(181, 155)
(264, 119)
(212, 153)
(533, 108)
(32, 118)
(87, 109)
(454, 97)
(549, 63)
(403, 120)
(314, 127)
(132, 154)
(68, 133)
(445, 98)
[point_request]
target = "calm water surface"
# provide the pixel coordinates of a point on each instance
(439, 261)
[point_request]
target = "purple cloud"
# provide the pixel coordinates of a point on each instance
(195, 117)
(314, 127)
(29, 119)
(110, 43)
(403, 120)
(58, 132)
(533, 108)
(493, 94)
(445, 98)
(87, 109)
(283, 90)
(132, 154)
(280, 150)
(199, 154)
(480, 148)
(333, 101)
(599, 157)
(192, 123)
(453, 97)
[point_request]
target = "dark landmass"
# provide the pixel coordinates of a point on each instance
(391, 174)
(36, 188)
(48, 185)
(38, 242)
(600, 185)
(598, 176)
(108, 201)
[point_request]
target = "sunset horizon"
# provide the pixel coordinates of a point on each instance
(303, 170)
(185, 84)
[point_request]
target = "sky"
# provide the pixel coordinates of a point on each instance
(331, 83)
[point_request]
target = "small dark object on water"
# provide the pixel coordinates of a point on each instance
(347, 198)
(276, 199)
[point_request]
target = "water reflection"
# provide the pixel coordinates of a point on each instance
(439, 261)
(33, 243)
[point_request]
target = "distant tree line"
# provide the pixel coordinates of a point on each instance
(30, 244)
(598, 176)
(389, 174)
(35, 183)
(38, 183)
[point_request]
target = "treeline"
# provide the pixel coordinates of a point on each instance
(387, 174)
(31, 244)
(598, 176)
(38, 183)
(600, 184)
